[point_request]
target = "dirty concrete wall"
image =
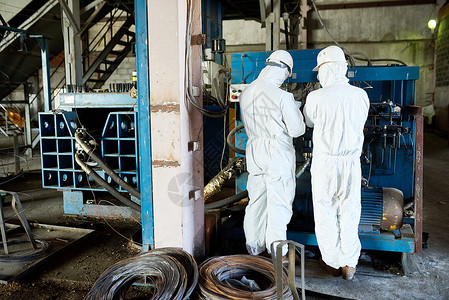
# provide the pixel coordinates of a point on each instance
(399, 32)
(442, 70)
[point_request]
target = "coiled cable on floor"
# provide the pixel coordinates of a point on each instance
(216, 273)
(173, 274)
(25, 254)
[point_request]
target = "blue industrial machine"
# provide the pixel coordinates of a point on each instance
(110, 121)
(391, 158)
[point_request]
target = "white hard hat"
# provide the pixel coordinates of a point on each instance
(281, 58)
(330, 54)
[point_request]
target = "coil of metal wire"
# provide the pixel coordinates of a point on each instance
(173, 274)
(216, 272)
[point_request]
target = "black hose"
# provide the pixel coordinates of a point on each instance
(104, 184)
(231, 144)
(226, 201)
(381, 59)
(88, 149)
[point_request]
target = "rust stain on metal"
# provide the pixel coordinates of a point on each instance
(419, 179)
(165, 108)
(199, 39)
(164, 163)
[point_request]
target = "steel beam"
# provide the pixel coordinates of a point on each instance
(92, 5)
(263, 12)
(16, 154)
(28, 23)
(27, 127)
(373, 4)
(304, 9)
(273, 26)
(72, 42)
(91, 18)
(73, 22)
(419, 156)
(144, 132)
(43, 43)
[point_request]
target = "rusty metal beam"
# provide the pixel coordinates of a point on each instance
(419, 156)
(374, 4)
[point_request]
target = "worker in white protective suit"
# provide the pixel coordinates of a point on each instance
(272, 119)
(338, 112)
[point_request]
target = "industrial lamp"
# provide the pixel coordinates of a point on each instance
(432, 24)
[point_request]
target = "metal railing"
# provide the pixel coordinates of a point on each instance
(102, 40)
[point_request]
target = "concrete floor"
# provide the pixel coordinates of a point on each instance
(71, 274)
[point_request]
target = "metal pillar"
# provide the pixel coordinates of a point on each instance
(144, 132)
(419, 178)
(16, 153)
(294, 34)
(72, 41)
(304, 9)
(43, 43)
(273, 25)
(27, 125)
(177, 156)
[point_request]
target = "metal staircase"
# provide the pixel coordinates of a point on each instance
(113, 53)
(102, 56)
(7, 127)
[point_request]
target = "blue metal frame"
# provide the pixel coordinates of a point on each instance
(212, 16)
(141, 24)
(389, 83)
(69, 101)
(60, 171)
(118, 149)
(303, 63)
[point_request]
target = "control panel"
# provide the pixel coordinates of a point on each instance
(235, 90)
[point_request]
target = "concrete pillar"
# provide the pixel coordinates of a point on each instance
(176, 139)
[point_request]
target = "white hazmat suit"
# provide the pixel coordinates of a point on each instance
(338, 112)
(271, 119)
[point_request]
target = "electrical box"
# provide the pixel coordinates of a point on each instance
(235, 90)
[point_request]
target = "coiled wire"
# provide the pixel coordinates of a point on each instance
(172, 272)
(216, 271)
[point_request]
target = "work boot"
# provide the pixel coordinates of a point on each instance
(334, 272)
(285, 259)
(347, 272)
(265, 254)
